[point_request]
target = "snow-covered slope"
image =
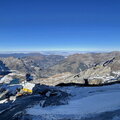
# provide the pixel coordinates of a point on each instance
(86, 101)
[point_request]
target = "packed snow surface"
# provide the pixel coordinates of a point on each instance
(84, 101)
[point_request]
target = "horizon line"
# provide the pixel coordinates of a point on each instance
(82, 51)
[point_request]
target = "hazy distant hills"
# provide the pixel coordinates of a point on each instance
(41, 53)
(19, 55)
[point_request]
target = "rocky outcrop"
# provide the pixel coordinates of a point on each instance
(53, 98)
(55, 79)
(106, 72)
(50, 96)
(102, 73)
(14, 78)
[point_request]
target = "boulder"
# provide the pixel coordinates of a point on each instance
(53, 98)
(50, 95)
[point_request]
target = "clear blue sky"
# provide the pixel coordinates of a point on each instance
(59, 24)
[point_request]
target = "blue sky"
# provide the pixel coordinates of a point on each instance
(35, 25)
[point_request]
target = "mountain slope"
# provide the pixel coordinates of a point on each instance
(31, 64)
(102, 73)
(80, 62)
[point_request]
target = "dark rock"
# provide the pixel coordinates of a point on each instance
(42, 89)
(86, 82)
(50, 95)
(54, 97)
(3, 69)
(29, 77)
(108, 62)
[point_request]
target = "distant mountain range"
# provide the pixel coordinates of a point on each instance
(29, 53)
(47, 65)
